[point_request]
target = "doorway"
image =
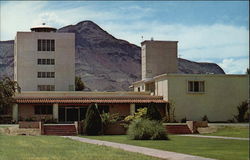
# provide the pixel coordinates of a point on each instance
(72, 114)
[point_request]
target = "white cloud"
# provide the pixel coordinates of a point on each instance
(235, 66)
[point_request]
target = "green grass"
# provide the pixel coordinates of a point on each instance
(231, 131)
(59, 148)
(205, 147)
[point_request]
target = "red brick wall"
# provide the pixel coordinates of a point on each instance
(122, 109)
(27, 111)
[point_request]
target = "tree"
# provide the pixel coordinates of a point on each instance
(93, 121)
(243, 112)
(7, 91)
(79, 85)
(248, 71)
(153, 113)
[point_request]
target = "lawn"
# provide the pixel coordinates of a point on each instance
(205, 147)
(59, 148)
(231, 131)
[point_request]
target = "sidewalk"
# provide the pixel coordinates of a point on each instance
(218, 137)
(143, 150)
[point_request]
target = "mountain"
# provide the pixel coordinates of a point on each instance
(104, 62)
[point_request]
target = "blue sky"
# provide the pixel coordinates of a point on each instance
(207, 31)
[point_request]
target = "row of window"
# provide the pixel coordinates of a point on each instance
(46, 61)
(45, 74)
(46, 45)
(46, 87)
(43, 109)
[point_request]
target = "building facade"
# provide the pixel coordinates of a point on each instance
(44, 60)
(192, 96)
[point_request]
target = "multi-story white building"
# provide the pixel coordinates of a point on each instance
(44, 60)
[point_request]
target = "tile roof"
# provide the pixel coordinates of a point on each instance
(90, 99)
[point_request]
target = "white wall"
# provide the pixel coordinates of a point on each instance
(223, 93)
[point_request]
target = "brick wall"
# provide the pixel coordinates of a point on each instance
(27, 111)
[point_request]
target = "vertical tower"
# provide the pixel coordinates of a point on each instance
(158, 57)
(44, 60)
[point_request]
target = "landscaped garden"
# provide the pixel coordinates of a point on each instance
(59, 148)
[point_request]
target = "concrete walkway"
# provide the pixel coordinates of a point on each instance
(218, 137)
(143, 150)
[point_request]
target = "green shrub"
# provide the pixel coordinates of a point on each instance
(141, 113)
(243, 112)
(153, 113)
(145, 129)
(108, 119)
(93, 121)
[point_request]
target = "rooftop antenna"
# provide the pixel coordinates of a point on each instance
(43, 24)
(152, 38)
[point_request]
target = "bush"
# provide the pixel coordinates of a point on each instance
(108, 119)
(141, 113)
(205, 118)
(93, 121)
(153, 113)
(243, 112)
(145, 129)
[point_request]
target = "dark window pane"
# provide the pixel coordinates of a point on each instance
(37, 110)
(52, 45)
(48, 61)
(43, 45)
(49, 109)
(52, 61)
(39, 43)
(39, 61)
(83, 111)
(43, 74)
(48, 45)
(52, 74)
(43, 61)
(190, 86)
(196, 86)
(39, 74)
(103, 109)
(61, 114)
(43, 110)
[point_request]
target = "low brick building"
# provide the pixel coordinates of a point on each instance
(67, 107)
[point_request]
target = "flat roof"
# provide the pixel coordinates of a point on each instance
(158, 41)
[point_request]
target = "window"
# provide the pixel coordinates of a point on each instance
(46, 45)
(52, 45)
(46, 61)
(103, 109)
(39, 45)
(196, 86)
(52, 61)
(46, 87)
(43, 109)
(139, 89)
(45, 74)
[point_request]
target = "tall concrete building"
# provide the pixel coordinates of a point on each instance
(158, 57)
(44, 60)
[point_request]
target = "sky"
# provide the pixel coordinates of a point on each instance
(207, 31)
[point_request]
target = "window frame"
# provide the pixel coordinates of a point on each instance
(193, 84)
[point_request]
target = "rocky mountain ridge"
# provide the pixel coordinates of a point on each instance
(104, 62)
